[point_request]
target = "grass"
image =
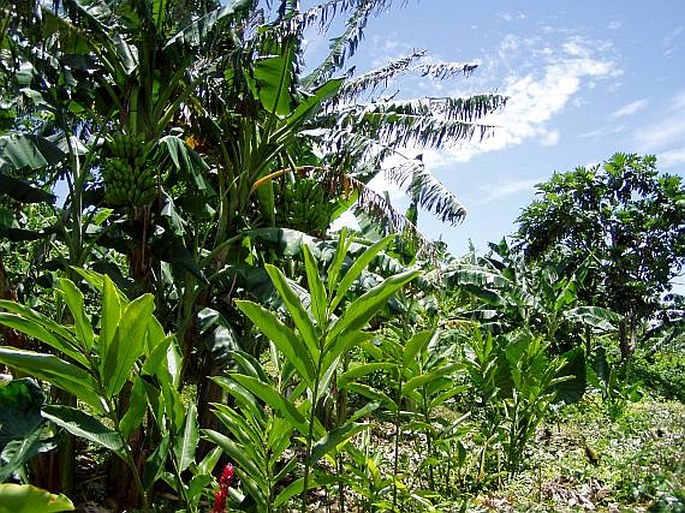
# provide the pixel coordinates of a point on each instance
(641, 466)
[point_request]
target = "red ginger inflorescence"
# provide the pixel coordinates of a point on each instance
(224, 484)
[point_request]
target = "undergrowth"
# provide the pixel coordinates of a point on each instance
(641, 462)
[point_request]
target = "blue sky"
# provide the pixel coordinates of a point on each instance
(585, 79)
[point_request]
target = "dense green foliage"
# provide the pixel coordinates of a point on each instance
(170, 171)
(623, 219)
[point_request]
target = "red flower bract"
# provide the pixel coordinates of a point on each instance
(224, 484)
(227, 476)
(220, 501)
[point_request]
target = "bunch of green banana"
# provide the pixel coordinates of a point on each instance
(129, 147)
(125, 186)
(306, 206)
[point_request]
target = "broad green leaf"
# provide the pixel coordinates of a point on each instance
(286, 470)
(171, 248)
(279, 437)
(29, 313)
(356, 269)
(294, 349)
(360, 312)
(573, 387)
(83, 425)
(295, 488)
(267, 202)
(199, 482)
(245, 433)
(335, 439)
(335, 267)
(174, 409)
(28, 152)
(416, 345)
(273, 81)
(206, 466)
(20, 404)
(358, 371)
(74, 299)
(165, 362)
(188, 161)
(253, 489)
(155, 335)
(424, 379)
(185, 445)
(312, 104)
(68, 377)
(34, 327)
(342, 345)
(155, 464)
(249, 365)
(365, 410)
(373, 394)
(317, 291)
(111, 315)
(245, 400)
(21, 191)
(91, 277)
(16, 454)
(447, 395)
(274, 399)
(595, 316)
(16, 498)
(297, 311)
(128, 345)
(238, 455)
(137, 407)
(416, 426)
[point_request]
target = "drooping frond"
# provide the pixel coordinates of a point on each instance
(452, 109)
(429, 192)
(342, 47)
(322, 15)
(406, 127)
(370, 81)
(197, 31)
(375, 206)
(380, 77)
(445, 70)
(93, 25)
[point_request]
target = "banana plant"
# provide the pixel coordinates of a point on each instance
(129, 351)
(514, 295)
(316, 342)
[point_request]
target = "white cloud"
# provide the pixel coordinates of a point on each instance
(614, 25)
(540, 95)
(550, 138)
(604, 131)
(672, 157)
(496, 191)
(630, 108)
(509, 17)
(671, 42)
(665, 137)
(668, 132)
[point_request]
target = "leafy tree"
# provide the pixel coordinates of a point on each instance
(623, 216)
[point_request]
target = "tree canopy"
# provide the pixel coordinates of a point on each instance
(625, 219)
